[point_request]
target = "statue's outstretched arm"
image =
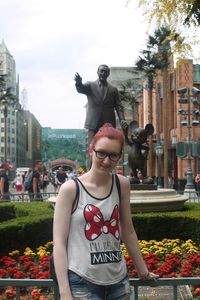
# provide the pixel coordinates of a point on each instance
(80, 87)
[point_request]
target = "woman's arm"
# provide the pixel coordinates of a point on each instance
(128, 233)
(35, 185)
(2, 181)
(61, 225)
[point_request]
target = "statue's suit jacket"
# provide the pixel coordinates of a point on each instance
(101, 105)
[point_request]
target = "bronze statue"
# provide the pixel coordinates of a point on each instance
(138, 153)
(103, 100)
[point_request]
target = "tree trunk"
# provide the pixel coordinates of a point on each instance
(165, 124)
(150, 120)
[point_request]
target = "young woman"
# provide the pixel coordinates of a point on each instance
(88, 230)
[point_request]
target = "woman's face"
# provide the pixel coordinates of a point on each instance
(105, 154)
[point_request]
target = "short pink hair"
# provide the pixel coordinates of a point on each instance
(107, 130)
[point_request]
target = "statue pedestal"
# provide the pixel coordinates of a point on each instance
(143, 187)
(156, 200)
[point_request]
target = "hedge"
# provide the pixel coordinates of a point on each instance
(30, 225)
(183, 224)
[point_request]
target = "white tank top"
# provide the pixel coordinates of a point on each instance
(94, 239)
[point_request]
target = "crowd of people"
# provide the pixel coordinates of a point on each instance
(35, 181)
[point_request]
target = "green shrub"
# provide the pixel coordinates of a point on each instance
(31, 227)
(7, 212)
(180, 224)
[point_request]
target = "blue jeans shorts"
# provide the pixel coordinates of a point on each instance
(82, 289)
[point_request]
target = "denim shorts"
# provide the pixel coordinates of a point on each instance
(82, 289)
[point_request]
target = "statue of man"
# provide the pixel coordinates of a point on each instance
(103, 100)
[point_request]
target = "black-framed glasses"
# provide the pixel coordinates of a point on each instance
(112, 156)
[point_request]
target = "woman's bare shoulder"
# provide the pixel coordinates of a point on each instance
(124, 181)
(67, 191)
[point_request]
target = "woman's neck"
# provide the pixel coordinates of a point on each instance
(96, 177)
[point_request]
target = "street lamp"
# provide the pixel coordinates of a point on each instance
(186, 114)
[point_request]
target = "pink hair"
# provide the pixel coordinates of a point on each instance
(107, 130)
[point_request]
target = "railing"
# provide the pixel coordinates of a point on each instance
(135, 283)
(193, 195)
(19, 283)
(174, 282)
(27, 197)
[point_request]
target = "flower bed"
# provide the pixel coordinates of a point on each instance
(168, 258)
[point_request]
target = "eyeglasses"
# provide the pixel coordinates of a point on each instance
(112, 156)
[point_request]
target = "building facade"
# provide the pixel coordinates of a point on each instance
(65, 144)
(167, 120)
(165, 116)
(20, 132)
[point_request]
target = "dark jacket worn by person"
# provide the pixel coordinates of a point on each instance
(102, 103)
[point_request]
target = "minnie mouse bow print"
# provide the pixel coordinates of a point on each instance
(95, 224)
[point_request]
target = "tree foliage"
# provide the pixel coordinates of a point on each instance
(156, 56)
(72, 149)
(182, 16)
(174, 12)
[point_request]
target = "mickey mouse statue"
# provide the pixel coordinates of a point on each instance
(138, 153)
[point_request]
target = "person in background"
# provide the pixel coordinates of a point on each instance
(23, 176)
(45, 181)
(93, 225)
(4, 182)
(18, 182)
(70, 174)
(61, 177)
(52, 179)
(34, 191)
(197, 182)
(140, 176)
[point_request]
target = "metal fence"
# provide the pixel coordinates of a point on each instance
(193, 196)
(27, 197)
(175, 283)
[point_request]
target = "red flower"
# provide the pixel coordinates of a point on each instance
(10, 293)
(197, 291)
(19, 274)
(35, 294)
(3, 273)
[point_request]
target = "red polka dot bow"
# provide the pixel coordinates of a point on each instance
(95, 224)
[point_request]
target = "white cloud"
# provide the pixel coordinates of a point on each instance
(52, 40)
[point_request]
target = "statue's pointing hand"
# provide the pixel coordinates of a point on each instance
(78, 78)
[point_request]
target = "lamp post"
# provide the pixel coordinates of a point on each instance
(185, 98)
(159, 147)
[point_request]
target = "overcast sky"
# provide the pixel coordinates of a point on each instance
(51, 40)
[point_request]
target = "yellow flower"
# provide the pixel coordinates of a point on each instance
(29, 252)
(14, 253)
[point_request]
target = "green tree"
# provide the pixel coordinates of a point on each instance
(129, 93)
(156, 57)
(181, 16)
(148, 63)
(173, 12)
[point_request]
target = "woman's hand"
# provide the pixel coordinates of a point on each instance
(149, 276)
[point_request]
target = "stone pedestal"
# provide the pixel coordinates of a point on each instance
(143, 187)
(156, 200)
